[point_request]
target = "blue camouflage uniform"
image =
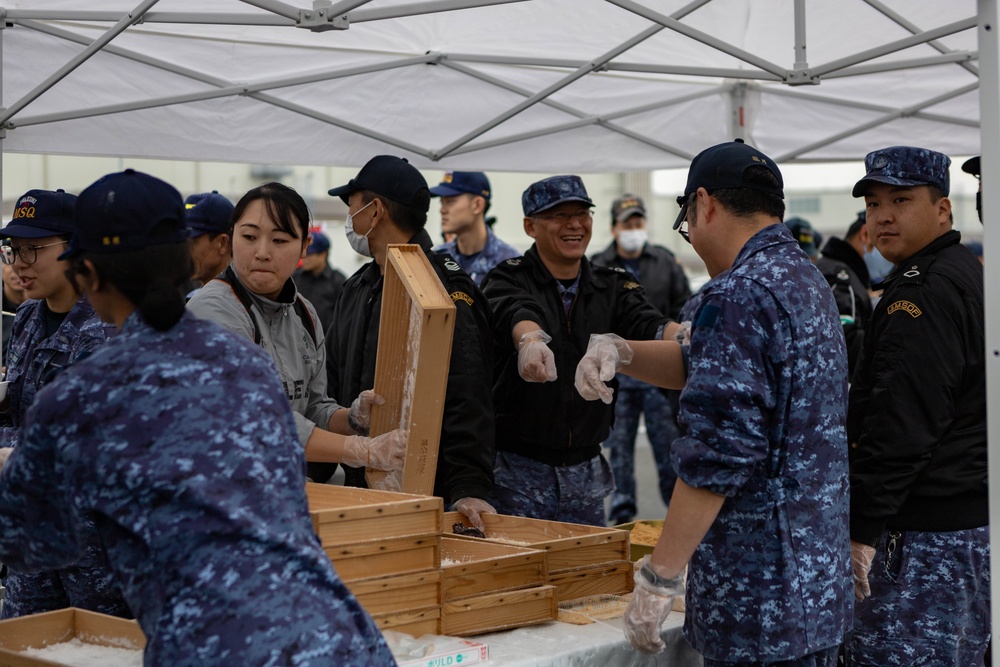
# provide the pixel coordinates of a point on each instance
(33, 361)
(764, 406)
(182, 447)
(478, 265)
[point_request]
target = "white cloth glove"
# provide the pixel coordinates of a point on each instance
(359, 417)
(5, 453)
(606, 354)
(648, 609)
(862, 556)
(535, 361)
(471, 508)
(383, 452)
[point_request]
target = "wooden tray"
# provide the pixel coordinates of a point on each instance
(345, 515)
(474, 567)
(569, 545)
(399, 592)
(54, 627)
(416, 622)
(363, 560)
(615, 578)
(498, 611)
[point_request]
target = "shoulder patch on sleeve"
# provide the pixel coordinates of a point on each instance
(461, 296)
(513, 261)
(631, 284)
(451, 265)
(907, 307)
(708, 316)
(913, 272)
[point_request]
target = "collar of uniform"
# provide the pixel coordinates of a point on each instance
(949, 238)
(768, 236)
(422, 239)
(587, 276)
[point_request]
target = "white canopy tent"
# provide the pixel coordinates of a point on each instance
(537, 85)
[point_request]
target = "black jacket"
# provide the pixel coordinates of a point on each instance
(321, 291)
(549, 421)
(466, 452)
(661, 276)
(916, 421)
(846, 272)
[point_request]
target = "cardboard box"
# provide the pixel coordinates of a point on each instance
(464, 652)
(346, 515)
(416, 327)
(568, 546)
(474, 567)
(499, 611)
(54, 627)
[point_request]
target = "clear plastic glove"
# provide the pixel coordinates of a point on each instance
(862, 556)
(535, 361)
(383, 452)
(5, 453)
(359, 417)
(683, 333)
(606, 354)
(648, 609)
(471, 508)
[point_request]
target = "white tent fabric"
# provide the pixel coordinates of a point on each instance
(542, 85)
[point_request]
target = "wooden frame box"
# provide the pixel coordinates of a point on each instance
(384, 595)
(363, 560)
(499, 611)
(569, 546)
(344, 515)
(54, 627)
(474, 567)
(615, 578)
(416, 622)
(411, 367)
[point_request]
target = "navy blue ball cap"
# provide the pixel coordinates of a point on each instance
(128, 210)
(552, 191)
(461, 182)
(318, 242)
(208, 213)
(722, 167)
(971, 166)
(905, 166)
(389, 176)
(41, 213)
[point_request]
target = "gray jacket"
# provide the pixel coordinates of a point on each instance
(301, 362)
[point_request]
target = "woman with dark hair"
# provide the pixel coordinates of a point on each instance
(176, 439)
(54, 328)
(256, 298)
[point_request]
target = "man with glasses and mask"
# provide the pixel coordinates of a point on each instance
(547, 303)
(761, 507)
(54, 328)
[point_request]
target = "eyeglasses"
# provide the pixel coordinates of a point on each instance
(681, 221)
(564, 217)
(27, 253)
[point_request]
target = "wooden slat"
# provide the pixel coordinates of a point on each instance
(363, 560)
(344, 515)
(609, 578)
(396, 593)
(475, 567)
(414, 622)
(499, 611)
(411, 368)
(54, 627)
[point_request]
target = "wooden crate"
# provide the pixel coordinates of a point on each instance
(397, 593)
(54, 627)
(363, 560)
(411, 368)
(474, 567)
(345, 515)
(499, 611)
(416, 622)
(569, 546)
(615, 578)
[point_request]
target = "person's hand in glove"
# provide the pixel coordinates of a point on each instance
(535, 361)
(652, 600)
(383, 452)
(471, 508)
(861, 561)
(606, 354)
(360, 415)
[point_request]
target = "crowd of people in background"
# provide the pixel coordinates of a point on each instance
(177, 369)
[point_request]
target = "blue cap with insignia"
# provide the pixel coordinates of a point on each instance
(552, 191)
(905, 166)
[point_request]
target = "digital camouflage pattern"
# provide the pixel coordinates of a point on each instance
(906, 166)
(929, 603)
(182, 448)
(764, 407)
(32, 362)
(478, 265)
(548, 192)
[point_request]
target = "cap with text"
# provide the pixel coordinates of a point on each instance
(461, 182)
(625, 207)
(208, 213)
(41, 213)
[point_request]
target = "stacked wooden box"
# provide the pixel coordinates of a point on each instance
(386, 547)
(582, 560)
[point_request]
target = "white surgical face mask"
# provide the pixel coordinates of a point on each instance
(632, 240)
(358, 242)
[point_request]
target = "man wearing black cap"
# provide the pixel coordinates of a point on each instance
(387, 204)
(465, 199)
(760, 508)
(666, 288)
(317, 281)
(971, 166)
(208, 217)
(549, 462)
(917, 429)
